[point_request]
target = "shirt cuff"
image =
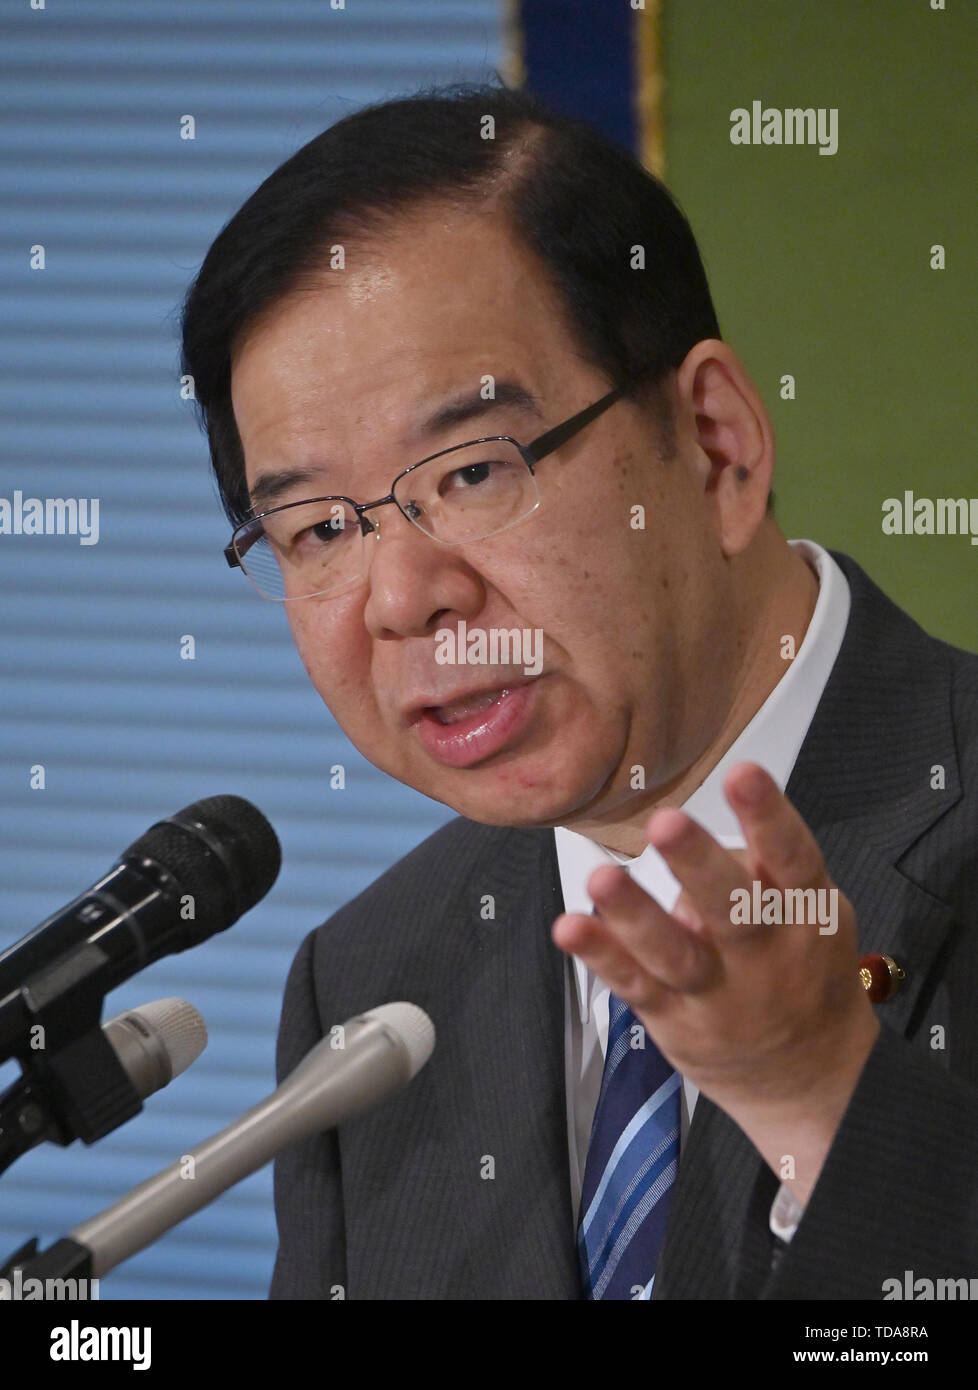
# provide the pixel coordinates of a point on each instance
(786, 1213)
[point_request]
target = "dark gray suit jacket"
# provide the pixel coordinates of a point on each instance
(397, 1204)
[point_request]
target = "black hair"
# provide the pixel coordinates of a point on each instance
(576, 200)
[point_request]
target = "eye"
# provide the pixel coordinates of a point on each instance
(323, 533)
(474, 475)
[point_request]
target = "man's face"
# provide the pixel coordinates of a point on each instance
(636, 644)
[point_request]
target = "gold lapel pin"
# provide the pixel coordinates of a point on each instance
(881, 977)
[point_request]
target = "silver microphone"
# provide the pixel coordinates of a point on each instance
(375, 1054)
(156, 1042)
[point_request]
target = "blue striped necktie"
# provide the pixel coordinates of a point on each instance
(632, 1159)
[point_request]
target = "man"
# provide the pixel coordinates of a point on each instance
(463, 267)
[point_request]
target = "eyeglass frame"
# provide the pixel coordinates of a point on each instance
(531, 454)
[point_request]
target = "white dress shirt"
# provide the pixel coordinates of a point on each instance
(773, 738)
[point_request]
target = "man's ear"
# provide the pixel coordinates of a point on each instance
(734, 435)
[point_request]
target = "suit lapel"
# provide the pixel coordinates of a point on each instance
(483, 1138)
(877, 770)
(863, 781)
(511, 1059)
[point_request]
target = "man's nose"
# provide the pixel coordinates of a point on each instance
(412, 581)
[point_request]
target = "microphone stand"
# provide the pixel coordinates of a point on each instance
(66, 1259)
(73, 1084)
(81, 1092)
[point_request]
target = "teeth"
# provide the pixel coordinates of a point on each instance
(461, 709)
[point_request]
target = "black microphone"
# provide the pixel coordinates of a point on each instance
(220, 852)
(188, 877)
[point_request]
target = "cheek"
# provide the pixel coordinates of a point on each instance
(596, 592)
(334, 650)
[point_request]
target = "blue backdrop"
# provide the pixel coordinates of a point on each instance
(106, 215)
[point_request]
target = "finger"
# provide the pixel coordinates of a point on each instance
(603, 953)
(711, 876)
(660, 943)
(781, 847)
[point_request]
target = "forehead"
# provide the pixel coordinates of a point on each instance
(427, 308)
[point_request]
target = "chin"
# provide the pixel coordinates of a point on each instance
(524, 807)
(516, 817)
(542, 787)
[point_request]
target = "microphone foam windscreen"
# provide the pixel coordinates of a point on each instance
(221, 850)
(180, 1028)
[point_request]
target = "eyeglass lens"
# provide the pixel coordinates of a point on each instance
(467, 494)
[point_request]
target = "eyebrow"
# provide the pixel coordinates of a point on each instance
(508, 395)
(268, 487)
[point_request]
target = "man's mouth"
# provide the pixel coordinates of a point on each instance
(474, 726)
(458, 710)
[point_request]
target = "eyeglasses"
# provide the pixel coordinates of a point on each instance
(466, 493)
